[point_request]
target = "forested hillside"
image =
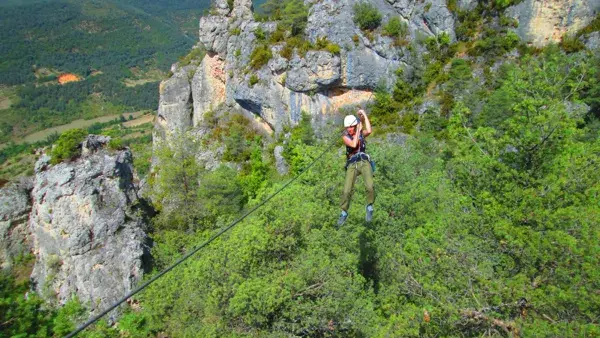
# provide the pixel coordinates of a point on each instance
(117, 51)
(487, 212)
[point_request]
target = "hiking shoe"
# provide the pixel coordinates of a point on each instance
(342, 218)
(369, 216)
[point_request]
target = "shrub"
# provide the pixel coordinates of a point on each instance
(253, 80)
(571, 44)
(235, 31)
(334, 49)
(452, 5)
(260, 56)
(593, 26)
(260, 34)
(395, 28)
(293, 14)
(287, 52)
(324, 44)
(278, 35)
(68, 145)
(366, 16)
(115, 144)
(300, 44)
(356, 39)
(196, 55)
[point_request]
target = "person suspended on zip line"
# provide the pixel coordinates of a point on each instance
(358, 162)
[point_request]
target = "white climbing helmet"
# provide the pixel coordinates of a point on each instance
(350, 120)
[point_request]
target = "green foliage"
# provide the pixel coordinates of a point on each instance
(469, 24)
(86, 36)
(323, 43)
(254, 177)
(571, 44)
(68, 316)
(193, 57)
(294, 150)
(253, 80)
(220, 193)
(68, 145)
(452, 5)
(115, 144)
(495, 43)
(238, 137)
(235, 31)
(593, 26)
(366, 16)
(260, 34)
(395, 28)
(278, 35)
(502, 4)
(260, 56)
(296, 43)
(21, 316)
(175, 185)
(292, 15)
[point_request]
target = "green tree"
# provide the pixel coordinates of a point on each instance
(68, 145)
(366, 16)
(175, 184)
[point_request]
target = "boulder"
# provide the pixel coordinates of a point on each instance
(316, 71)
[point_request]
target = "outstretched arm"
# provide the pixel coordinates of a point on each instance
(365, 120)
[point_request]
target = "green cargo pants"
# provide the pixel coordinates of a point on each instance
(363, 168)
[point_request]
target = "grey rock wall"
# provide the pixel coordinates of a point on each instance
(88, 233)
(15, 206)
(546, 21)
(319, 83)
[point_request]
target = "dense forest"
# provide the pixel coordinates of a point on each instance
(487, 216)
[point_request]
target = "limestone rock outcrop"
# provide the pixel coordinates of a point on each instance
(318, 82)
(543, 22)
(87, 227)
(323, 80)
(15, 205)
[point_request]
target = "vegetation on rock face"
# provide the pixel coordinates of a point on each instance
(68, 145)
(292, 14)
(260, 56)
(366, 16)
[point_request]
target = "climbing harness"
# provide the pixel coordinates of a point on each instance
(355, 155)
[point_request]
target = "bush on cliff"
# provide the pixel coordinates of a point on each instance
(260, 56)
(366, 16)
(68, 145)
(292, 14)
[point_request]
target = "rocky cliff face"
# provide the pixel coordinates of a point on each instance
(543, 22)
(15, 205)
(318, 83)
(87, 233)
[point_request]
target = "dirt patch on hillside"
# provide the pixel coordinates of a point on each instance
(68, 77)
(139, 121)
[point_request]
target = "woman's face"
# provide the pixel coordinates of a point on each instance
(351, 130)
